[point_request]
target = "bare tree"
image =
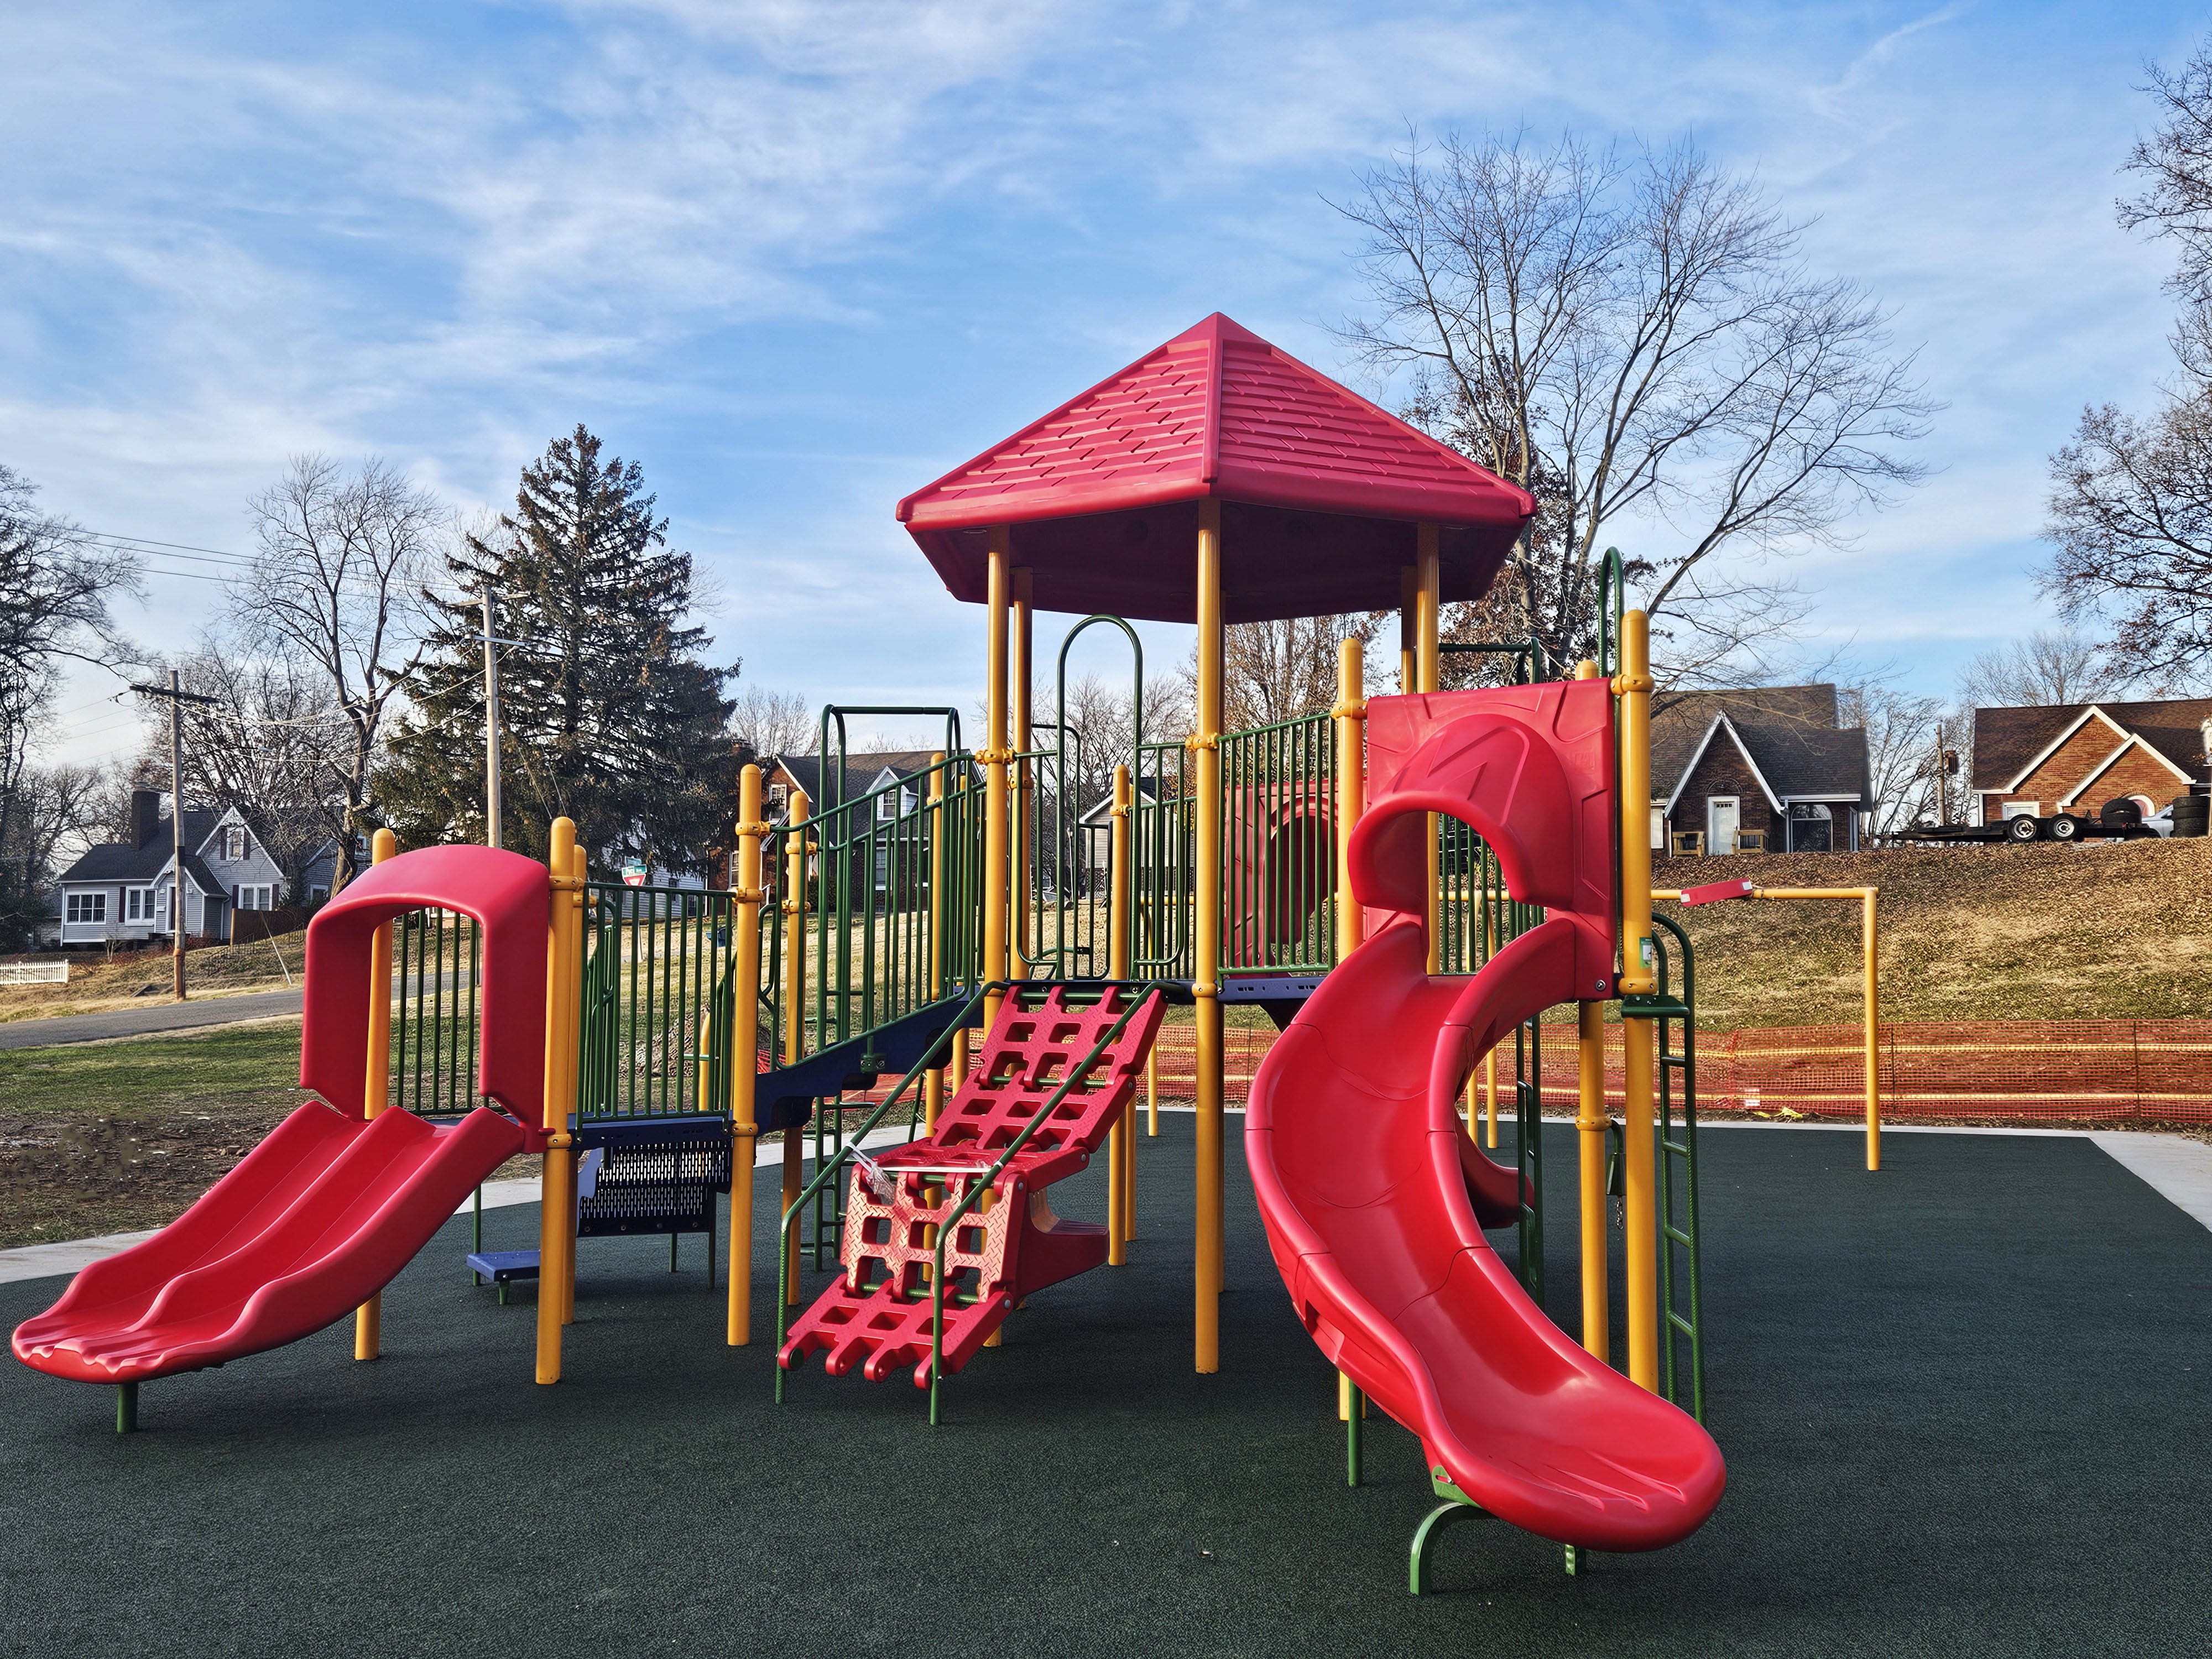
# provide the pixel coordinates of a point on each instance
(2050, 666)
(271, 744)
(54, 585)
(2130, 511)
(341, 556)
(1278, 671)
(774, 722)
(1634, 337)
(1901, 763)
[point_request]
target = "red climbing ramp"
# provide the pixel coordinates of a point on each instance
(1358, 1156)
(877, 1313)
(325, 1211)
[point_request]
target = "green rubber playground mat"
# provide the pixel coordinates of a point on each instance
(1963, 1404)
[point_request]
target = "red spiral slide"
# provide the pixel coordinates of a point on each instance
(325, 1211)
(1357, 1149)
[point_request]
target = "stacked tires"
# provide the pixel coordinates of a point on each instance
(2192, 814)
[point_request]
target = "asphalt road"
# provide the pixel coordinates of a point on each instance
(156, 1017)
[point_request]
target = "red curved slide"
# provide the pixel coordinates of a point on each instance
(1358, 1154)
(325, 1211)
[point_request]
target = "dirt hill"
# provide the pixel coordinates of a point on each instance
(2037, 932)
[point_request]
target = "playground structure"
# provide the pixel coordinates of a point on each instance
(954, 930)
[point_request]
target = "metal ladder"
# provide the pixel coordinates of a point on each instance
(1681, 1287)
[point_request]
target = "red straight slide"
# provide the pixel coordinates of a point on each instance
(324, 1212)
(314, 1221)
(1358, 1152)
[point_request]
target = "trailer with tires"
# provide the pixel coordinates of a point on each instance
(2120, 819)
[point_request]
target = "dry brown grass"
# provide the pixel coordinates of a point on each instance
(130, 978)
(2038, 931)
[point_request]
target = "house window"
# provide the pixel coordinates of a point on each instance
(779, 797)
(318, 895)
(1658, 828)
(233, 844)
(137, 904)
(87, 907)
(888, 807)
(251, 898)
(1812, 828)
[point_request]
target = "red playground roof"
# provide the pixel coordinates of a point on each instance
(1320, 491)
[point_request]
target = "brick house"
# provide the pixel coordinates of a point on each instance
(2073, 757)
(1767, 767)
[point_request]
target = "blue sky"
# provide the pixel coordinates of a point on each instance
(798, 259)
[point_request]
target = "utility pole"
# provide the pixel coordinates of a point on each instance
(494, 836)
(177, 698)
(1942, 790)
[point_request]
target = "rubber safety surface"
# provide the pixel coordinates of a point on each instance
(1962, 1402)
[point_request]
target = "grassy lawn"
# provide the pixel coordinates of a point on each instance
(114, 1137)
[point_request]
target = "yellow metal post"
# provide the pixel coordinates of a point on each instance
(794, 1010)
(1027, 923)
(1632, 686)
(933, 1080)
(1119, 892)
(1591, 1122)
(369, 1318)
(1206, 928)
(1428, 588)
(556, 1202)
(1409, 589)
(1870, 949)
(1350, 712)
(744, 1045)
(568, 908)
(997, 862)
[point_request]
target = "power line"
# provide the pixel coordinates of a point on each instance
(181, 547)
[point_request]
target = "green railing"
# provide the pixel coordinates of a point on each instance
(888, 916)
(1164, 857)
(436, 958)
(886, 919)
(659, 1001)
(1278, 846)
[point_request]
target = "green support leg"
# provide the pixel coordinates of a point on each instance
(126, 1408)
(1357, 1410)
(1580, 1560)
(1424, 1538)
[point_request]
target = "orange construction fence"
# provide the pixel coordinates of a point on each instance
(2148, 1071)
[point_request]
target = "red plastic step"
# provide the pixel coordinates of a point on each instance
(878, 1313)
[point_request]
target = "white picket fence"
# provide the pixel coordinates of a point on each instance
(34, 973)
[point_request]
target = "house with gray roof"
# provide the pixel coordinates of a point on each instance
(1767, 768)
(121, 892)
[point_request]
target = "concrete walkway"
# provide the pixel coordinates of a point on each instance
(109, 1023)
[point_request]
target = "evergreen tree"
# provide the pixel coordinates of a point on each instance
(608, 713)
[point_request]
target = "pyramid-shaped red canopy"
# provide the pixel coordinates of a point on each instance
(1321, 492)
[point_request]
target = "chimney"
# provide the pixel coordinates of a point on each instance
(145, 816)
